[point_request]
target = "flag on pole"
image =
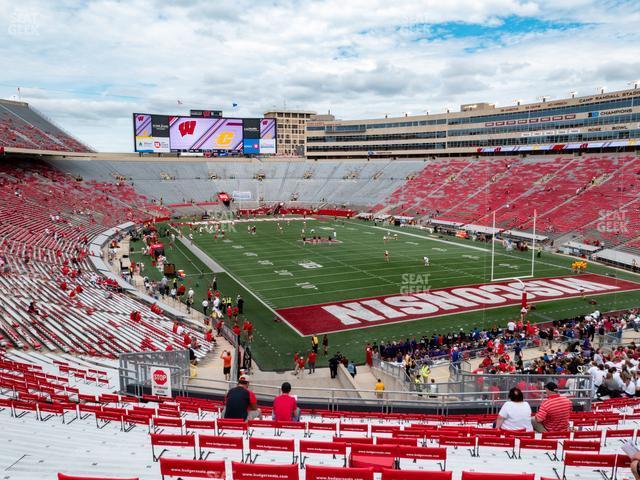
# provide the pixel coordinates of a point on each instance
(179, 102)
(234, 105)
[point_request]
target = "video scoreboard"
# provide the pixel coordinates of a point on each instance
(204, 131)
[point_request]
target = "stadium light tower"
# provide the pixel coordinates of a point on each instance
(601, 89)
(573, 93)
(517, 101)
(635, 83)
(544, 98)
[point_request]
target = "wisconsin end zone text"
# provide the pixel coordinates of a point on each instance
(368, 312)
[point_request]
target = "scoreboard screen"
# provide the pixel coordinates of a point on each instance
(204, 134)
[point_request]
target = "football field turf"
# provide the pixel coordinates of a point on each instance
(349, 290)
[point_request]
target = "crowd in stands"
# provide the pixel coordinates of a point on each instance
(567, 347)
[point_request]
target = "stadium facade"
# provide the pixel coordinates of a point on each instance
(603, 121)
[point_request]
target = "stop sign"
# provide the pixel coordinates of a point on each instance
(160, 377)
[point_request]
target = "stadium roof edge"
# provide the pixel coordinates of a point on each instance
(485, 107)
(13, 102)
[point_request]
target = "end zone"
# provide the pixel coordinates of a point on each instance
(369, 312)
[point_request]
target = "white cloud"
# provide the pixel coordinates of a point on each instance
(89, 65)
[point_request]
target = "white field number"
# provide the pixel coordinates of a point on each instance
(283, 273)
(309, 264)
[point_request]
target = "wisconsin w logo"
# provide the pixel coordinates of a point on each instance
(187, 128)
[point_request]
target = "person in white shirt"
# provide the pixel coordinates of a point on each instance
(597, 373)
(523, 313)
(515, 414)
(511, 326)
(629, 387)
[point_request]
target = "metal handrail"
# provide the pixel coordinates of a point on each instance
(580, 392)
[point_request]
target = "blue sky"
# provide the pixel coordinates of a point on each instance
(89, 64)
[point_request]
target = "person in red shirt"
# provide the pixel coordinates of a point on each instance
(554, 412)
(229, 312)
(285, 407)
(300, 365)
(236, 330)
(219, 327)
(249, 331)
(235, 313)
(311, 361)
(295, 362)
(368, 355)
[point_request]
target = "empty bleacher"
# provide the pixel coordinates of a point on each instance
(23, 127)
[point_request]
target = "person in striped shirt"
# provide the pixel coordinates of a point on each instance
(553, 414)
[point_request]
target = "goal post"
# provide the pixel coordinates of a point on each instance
(493, 252)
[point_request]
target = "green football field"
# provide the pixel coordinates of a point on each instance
(274, 270)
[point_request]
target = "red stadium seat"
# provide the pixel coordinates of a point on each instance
(314, 472)
(310, 447)
(217, 442)
(388, 474)
(281, 445)
(497, 476)
(62, 476)
(251, 471)
(168, 440)
(177, 467)
(601, 462)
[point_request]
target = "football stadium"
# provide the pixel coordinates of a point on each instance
(197, 283)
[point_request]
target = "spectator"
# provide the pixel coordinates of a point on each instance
(240, 304)
(285, 408)
(300, 362)
(226, 364)
(379, 388)
(192, 353)
(33, 308)
(432, 388)
(333, 365)
(311, 361)
(515, 414)
(553, 414)
(351, 368)
(241, 403)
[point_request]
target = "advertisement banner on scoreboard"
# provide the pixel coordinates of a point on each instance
(251, 146)
(151, 133)
(268, 145)
(251, 128)
(268, 128)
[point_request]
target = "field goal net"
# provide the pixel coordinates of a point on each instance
(499, 265)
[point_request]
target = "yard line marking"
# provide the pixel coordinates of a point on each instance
(251, 291)
(472, 247)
